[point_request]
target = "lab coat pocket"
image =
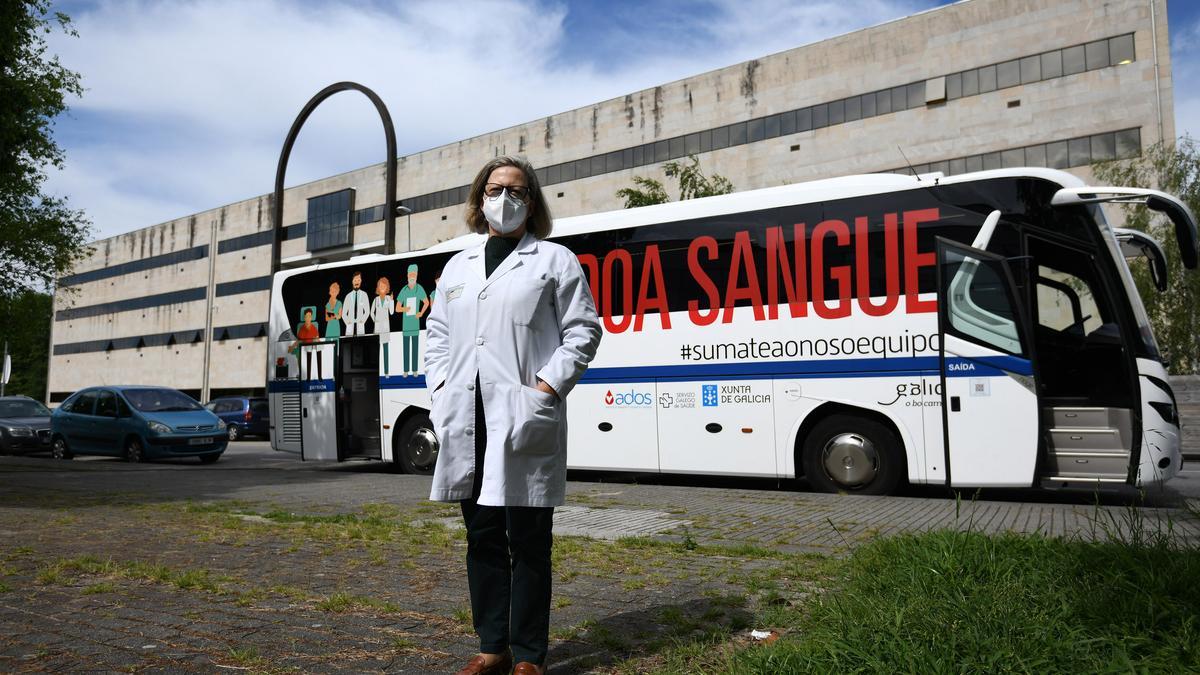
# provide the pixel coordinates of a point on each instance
(525, 298)
(536, 423)
(440, 411)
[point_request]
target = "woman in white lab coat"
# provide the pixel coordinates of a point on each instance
(513, 329)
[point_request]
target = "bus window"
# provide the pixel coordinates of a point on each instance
(1065, 302)
(980, 308)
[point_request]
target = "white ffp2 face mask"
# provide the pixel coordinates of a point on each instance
(504, 213)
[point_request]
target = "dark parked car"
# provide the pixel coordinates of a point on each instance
(137, 423)
(243, 416)
(24, 425)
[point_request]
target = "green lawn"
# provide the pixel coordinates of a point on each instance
(955, 602)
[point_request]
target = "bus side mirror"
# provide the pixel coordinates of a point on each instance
(1174, 209)
(1185, 227)
(1137, 244)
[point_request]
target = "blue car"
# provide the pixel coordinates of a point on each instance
(243, 415)
(137, 423)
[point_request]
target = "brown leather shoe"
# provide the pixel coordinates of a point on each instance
(476, 666)
(527, 668)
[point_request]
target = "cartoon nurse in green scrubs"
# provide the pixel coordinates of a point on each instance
(333, 312)
(412, 302)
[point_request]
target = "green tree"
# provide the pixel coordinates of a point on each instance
(26, 328)
(1174, 313)
(41, 238)
(692, 184)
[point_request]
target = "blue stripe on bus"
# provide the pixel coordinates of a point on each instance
(988, 366)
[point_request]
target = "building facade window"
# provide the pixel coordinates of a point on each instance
(1065, 154)
(329, 218)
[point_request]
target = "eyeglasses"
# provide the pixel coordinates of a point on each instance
(494, 190)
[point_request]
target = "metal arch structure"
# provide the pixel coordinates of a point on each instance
(390, 171)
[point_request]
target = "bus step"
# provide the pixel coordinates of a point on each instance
(1087, 463)
(1076, 417)
(1088, 439)
(1098, 478)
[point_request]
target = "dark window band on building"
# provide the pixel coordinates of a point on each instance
(240, 332)
(371, 214)
(170, 339)
(141, 265)
(145, 302)
(1114, 51)
(297, 231)
(244, 242)
(181, 337)
(244, 286)
(172, 298)
(1065, 154)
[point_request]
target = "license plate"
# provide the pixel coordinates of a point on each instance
(199, 441)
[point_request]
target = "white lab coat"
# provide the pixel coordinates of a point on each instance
(532, 319)
(381, 311)
(355, 309)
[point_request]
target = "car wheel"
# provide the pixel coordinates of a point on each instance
(845, 453)
(233, 432)
(134, 451)
(415, 446)
(209, 459)
(59, 449)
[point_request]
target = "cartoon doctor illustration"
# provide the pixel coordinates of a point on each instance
(356, 307)
(382, 308)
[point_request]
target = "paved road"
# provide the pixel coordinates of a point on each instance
(263, 562)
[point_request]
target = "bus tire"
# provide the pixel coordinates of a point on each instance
(415, 447)
(857, 455)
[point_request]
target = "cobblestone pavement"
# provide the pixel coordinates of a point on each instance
(263, 563)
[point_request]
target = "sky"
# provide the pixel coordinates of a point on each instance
(187, 102)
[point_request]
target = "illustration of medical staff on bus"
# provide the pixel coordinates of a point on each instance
(356, 307)
(333, 312)
(382, 308)
(408, 299)
(306, 333)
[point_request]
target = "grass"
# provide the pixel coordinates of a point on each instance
(339, 603)
(68, 570)
(967, 602)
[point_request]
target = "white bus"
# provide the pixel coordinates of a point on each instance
(975, 330)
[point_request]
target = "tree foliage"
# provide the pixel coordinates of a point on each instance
(41, 237)
(27, 330)
(693, 184)
(1174, 313)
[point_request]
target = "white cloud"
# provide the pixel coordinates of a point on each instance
(187, 103)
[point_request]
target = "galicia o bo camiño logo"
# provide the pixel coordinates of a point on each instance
(628, 399)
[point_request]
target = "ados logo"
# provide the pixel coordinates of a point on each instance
(628, 399)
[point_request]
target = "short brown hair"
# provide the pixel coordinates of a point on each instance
(538, 222)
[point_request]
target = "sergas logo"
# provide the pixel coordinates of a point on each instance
(629, 399)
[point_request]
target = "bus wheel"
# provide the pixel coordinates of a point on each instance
(844, 453)
(415, 447)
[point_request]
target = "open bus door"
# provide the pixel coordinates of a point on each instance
(357, 411)
(990, 409)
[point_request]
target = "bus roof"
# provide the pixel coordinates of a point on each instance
(842, 187)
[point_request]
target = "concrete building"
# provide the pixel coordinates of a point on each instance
(973, 85)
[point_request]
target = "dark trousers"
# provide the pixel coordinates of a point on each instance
(410, 352)
(508, 567)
